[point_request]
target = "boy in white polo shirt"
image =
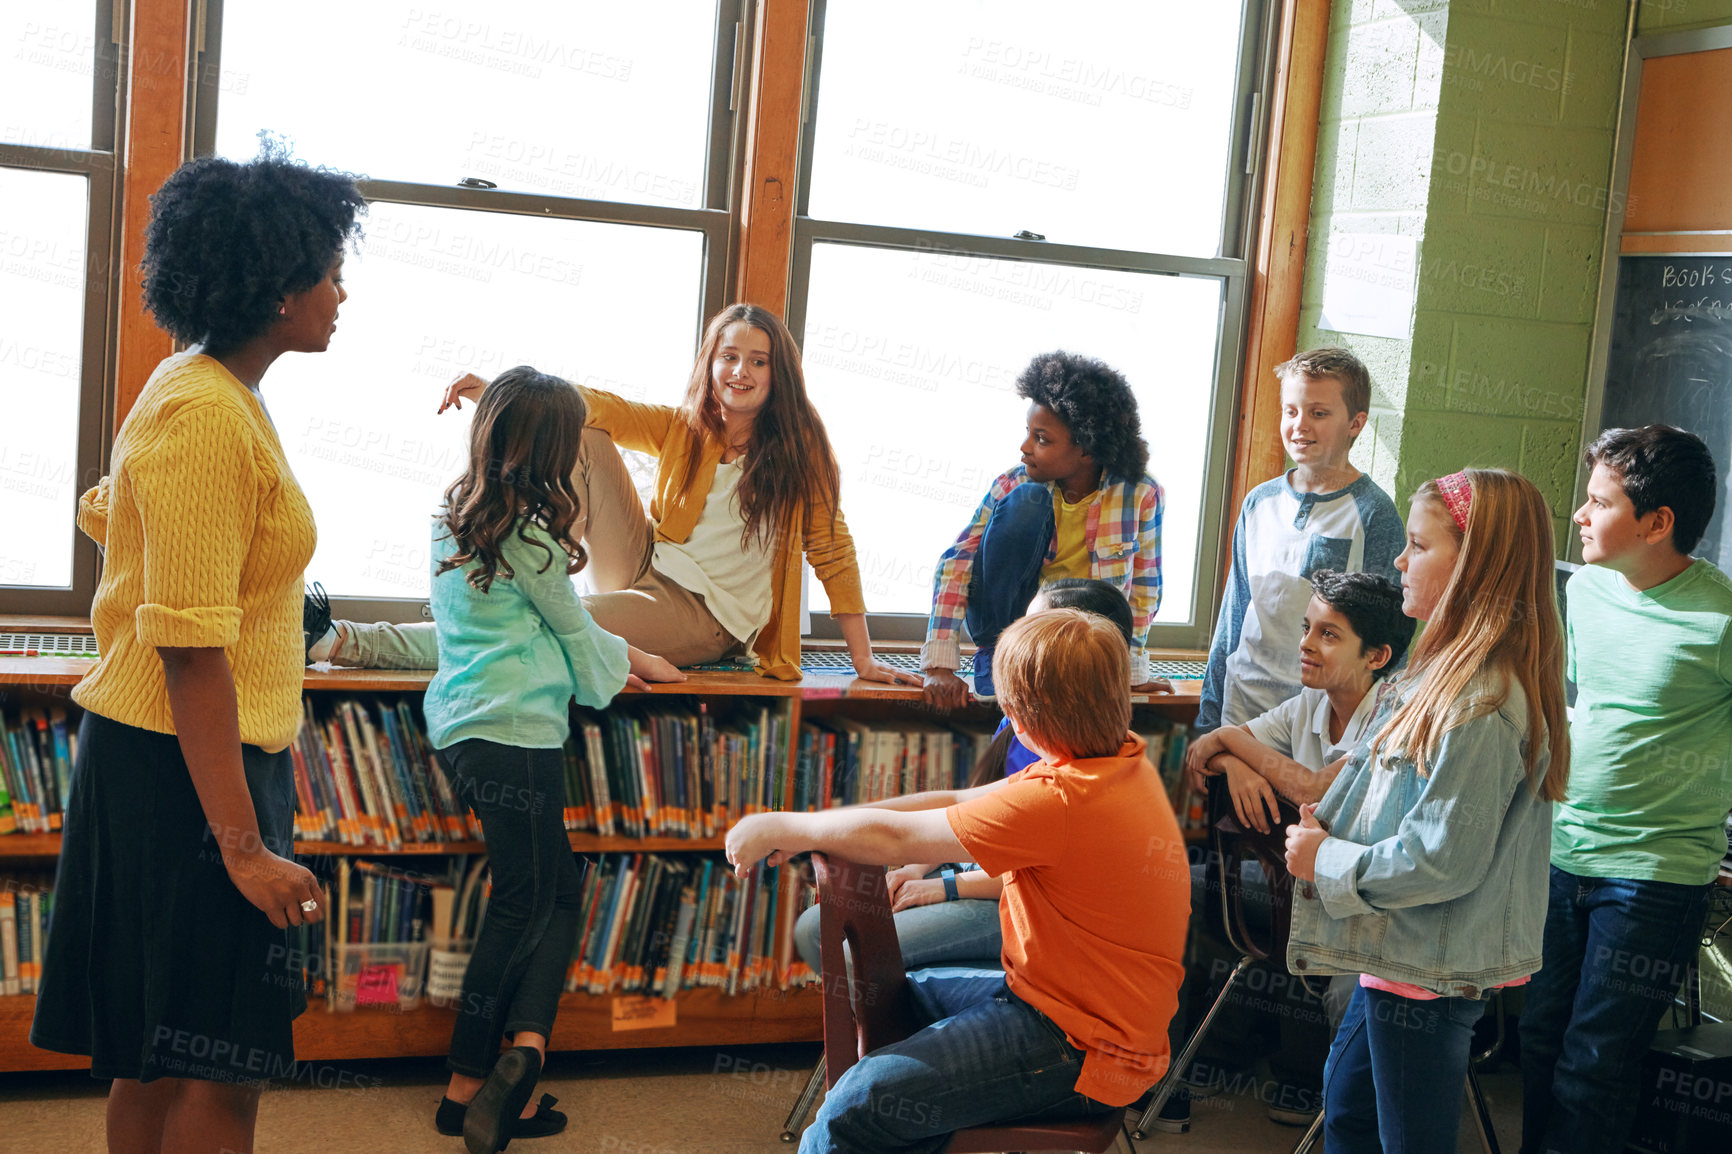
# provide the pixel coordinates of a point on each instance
(1352, 635)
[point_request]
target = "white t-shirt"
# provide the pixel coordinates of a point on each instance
(1299, 727)
(734, 582)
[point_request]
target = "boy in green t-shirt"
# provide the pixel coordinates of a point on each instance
(1638, 840)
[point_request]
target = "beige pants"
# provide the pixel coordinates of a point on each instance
(633, 601)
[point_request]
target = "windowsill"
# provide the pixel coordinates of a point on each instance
(66, 671)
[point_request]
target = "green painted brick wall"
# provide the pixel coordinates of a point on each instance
(1681, 15)
(1484, 128)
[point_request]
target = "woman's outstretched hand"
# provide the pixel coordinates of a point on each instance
(467, 387)
(647, 667)
(869, 668)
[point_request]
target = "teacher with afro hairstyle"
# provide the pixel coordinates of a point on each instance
(168, 963)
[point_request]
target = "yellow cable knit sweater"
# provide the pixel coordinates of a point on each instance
(206, 539)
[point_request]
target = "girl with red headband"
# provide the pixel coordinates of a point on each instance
(1427, 859)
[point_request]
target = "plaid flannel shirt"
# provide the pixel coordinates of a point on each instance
(1123, 537)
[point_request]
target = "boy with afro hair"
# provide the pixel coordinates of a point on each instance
(1081, 504)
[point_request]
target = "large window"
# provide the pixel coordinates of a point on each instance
(57, 175)
(1067, 177)
(550, 188)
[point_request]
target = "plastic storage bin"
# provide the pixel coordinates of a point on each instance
(447, 961)
(378, 976)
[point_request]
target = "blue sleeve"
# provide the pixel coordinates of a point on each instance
(598, 660)
(1018, 756)
(1446, 843)
(1385, 534)
(1232, 619)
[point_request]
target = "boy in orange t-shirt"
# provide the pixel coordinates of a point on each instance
(1096, 900)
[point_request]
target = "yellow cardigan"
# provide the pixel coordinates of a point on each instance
(824, 540)
(206, 538)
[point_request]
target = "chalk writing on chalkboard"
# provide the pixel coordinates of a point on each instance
(1671, 361)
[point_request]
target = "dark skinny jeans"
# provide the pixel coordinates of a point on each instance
(519, 962)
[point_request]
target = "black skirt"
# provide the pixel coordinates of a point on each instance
(155, 965)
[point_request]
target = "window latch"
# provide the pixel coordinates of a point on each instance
(1025, 234)
(475, 182)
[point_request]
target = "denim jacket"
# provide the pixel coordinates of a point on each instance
(1436, 881)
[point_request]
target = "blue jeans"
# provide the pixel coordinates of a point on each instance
(964, 932)
(1615, 953)
(520, 957)
(1394, 1077)
(986, 1056)
(1007, 571)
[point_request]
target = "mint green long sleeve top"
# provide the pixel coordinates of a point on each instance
(511, 659)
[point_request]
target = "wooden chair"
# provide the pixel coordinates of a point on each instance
(1230, 845)
(875, 1008)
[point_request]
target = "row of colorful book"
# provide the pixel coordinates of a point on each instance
(25, 905)
(37, 747)
(649, 923)
(672, 772)
(656, 924)
(368, 777)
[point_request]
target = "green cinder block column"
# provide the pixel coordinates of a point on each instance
(1484, 130)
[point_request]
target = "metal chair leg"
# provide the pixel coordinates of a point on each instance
(1309, 1138)
(1183, 1062)
(1481, 1115)
(803, 1104)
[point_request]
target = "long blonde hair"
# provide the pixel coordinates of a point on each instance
(1498, 611)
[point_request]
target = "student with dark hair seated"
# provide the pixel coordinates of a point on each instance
(1077, 1022)
(1353, 635)
(1081, 504)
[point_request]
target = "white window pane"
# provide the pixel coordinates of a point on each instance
(600, 101)
(1093, 123)
(47, 58)
(439, 292)
(912, 358)
(43, 225)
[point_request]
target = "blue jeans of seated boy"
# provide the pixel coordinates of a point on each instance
(1006, 572)
(520, 958)
(1615, 953)
(965, 932)
(1393, 1082)
(986, 1057)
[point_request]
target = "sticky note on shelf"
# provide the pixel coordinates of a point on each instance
(640, 1013)
(377, 986)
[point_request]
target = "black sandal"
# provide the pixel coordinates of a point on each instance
(546, 1120)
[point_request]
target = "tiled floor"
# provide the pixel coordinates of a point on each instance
(646, 1102)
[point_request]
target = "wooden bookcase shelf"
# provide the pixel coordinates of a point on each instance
(703, 1016)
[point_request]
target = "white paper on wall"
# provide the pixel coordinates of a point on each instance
(1368, 284)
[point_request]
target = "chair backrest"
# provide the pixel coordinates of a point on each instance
(871, 1007)
(1230, 844)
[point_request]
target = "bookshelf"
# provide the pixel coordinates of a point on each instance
(701, 1015)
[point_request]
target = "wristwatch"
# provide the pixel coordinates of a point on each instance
(949, 876)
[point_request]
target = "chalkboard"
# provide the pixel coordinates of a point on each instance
(1671, 362)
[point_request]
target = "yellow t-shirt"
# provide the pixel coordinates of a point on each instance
(1070, 556)
(206, 540)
